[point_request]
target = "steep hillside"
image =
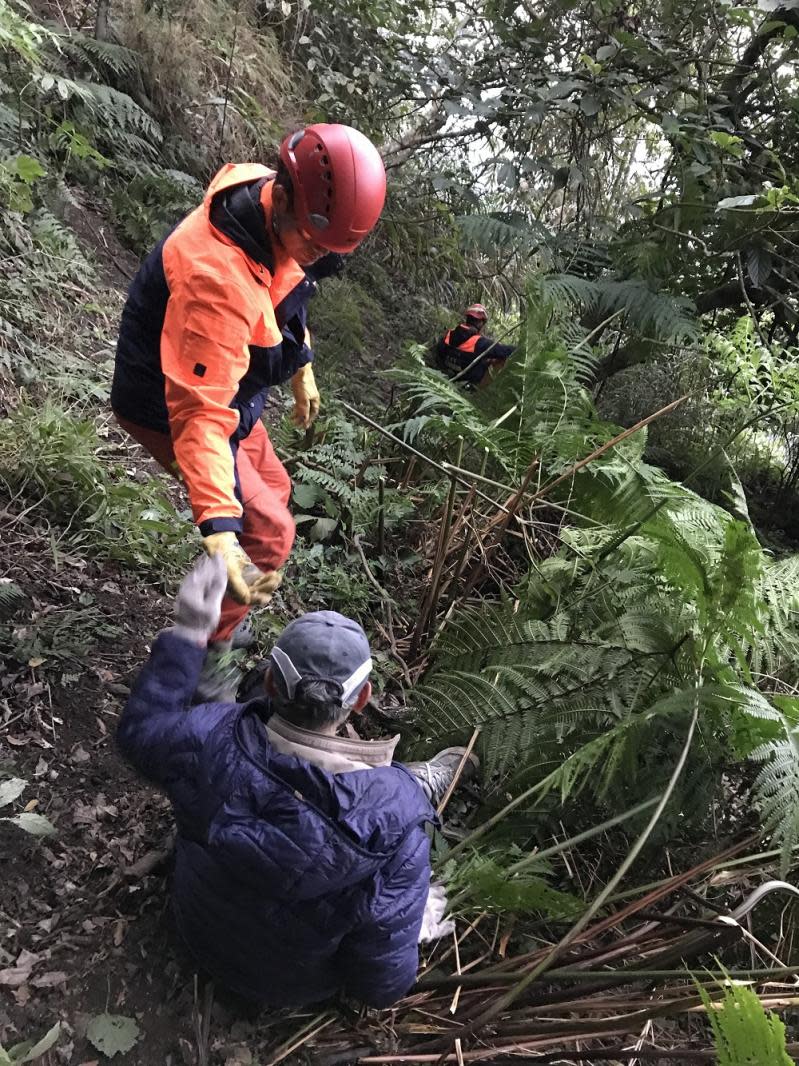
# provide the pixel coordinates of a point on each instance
(561, 568)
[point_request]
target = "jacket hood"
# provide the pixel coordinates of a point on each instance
(298, 832)
(232, 174)
(233, 203)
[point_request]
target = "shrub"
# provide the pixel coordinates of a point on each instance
(53, 461)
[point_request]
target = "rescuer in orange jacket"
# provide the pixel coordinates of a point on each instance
(215, 315)
(464, 351)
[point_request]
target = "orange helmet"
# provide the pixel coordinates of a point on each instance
(478, 312)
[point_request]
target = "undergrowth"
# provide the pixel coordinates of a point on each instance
(55, 467)
(610, 626)
(580, 635)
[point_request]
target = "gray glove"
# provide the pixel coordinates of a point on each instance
(199, 599)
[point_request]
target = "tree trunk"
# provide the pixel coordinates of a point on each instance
(101, 32)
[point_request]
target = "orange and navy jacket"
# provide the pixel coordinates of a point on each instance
(215, 315)
(459, 347)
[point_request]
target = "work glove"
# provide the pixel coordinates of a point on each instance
(306, 397)
(245, 582)
(199, 600)
(433, 924)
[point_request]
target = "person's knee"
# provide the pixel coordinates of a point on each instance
(269, 537)
(277, 485)
(286, 532)
(283, 486)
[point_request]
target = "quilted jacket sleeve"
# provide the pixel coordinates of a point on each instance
(158, 733)
(379, 959)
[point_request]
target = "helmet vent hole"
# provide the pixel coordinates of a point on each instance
(325, 160)
(329, 175)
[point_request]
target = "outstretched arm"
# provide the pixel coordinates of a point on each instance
(157, 733)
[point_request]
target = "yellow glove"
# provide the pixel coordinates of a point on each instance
(261, 584)
(245, 582)
(306, 397)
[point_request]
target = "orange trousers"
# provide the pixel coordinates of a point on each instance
(265, 486)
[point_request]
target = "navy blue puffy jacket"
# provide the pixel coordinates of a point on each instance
(291, 884)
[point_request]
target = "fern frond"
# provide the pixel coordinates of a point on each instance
(499, 233)
(463, 701)
(480, 880)
(743, 1032)
(650, 312)
(118, 118)
(777, 648)
(106, 58)
(776, 790)
(12, 597)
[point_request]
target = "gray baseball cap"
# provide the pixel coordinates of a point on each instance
(323, 646)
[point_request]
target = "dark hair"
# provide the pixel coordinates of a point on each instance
(316, 703)
(475, 323)
(283, 179)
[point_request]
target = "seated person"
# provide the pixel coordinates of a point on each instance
(302, 863)
(465, 353)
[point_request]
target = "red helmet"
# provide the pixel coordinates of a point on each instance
(477, 311)
(339, 184)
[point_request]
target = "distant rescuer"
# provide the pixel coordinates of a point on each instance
(465, 353)
(302, 864)
(215, 315)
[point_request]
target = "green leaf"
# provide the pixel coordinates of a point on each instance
(40, 1047)
(11, 789)
(26, 168)
(489, 887)
(35, 824)
(728, 142)
(112, 1034)
(507, 176)
(729, 203)
(758, 264)
(590, 105)
(323, 528)
(306, 495)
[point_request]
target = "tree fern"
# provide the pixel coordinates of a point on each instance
(118, 115)
(438, 408)
(500, 233)
(105, 58)
(613, 668)
(650, 312)
(583, 675)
